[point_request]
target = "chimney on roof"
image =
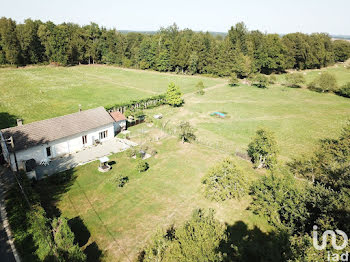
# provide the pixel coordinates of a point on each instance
(19, 122)
(79, 107)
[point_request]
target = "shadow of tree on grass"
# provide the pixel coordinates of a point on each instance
(244, 244)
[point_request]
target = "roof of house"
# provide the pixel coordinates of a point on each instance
(117, 116)
(48, 130)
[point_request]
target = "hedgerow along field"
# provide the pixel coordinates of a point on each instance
(38, 92)
(121, 220)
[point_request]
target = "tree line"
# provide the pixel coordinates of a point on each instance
(241, 51)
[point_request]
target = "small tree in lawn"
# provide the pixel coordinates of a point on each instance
(173, 95)
(186, 132)
(64, 239)
(344, 90)
(295, 80)
(263, 149)
(233, 80)
(326, 82)
(261, 81)
(200, 87)
(142, 166)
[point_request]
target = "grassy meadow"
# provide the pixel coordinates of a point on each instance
(39, 92)
(121, 220)
(298, 117)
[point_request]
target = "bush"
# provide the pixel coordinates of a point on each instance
(142, 166)
(280, 201)
(261, 81)
(138, 154)
(128, 113)
(186, 132)
(344, 90)
(199, 239)
(200, 84)
(130, 152)
(329, 164)
(295, 80)
(263, 149)
(121, 180)
(224, 181)
(139, 114)
(233, 80)
(326, 82)
(272, 79)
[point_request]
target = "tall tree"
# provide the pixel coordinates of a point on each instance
(8, 41)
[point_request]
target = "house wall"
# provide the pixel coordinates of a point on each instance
(62, 146)
(119, 126)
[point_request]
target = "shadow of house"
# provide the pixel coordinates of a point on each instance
(253, 245)
(52, 188)
(7, 120)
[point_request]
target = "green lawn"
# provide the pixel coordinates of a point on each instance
(40, 92)
(121, 220)
(298, 117)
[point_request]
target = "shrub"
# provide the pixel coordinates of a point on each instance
(139, 154)
(130, 152)
(199, 239)
(272, 79)
(326, 82)
(121, 180)
(186, 132)
(142, 166)
(128, 113)
(233, 80)
(263, 149)
(344, 90)
(295, 80)
(280, 201)
(261, 81)
(329, 164)
(200, 84)
(139, 114)
(224, 181)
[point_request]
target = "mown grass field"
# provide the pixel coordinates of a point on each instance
(298, 117)
(40, 92)
(121, 220)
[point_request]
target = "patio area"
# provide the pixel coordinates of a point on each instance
(85, 156)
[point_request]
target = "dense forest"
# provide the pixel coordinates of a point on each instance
(183, 51)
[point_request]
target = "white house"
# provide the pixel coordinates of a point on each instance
(58, 136)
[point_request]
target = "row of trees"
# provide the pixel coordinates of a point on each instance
(241, 51)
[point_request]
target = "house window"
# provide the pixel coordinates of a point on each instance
(48, 151)
(103, 134)
(84, 139)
